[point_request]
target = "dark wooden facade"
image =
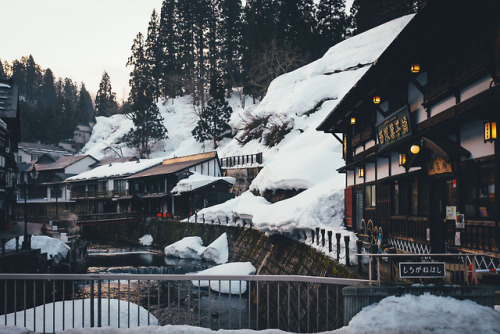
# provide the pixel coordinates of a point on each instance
(442, 109)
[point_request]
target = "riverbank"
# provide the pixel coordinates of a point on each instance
(271, 255)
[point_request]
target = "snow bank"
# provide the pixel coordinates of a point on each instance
(424, 314)
(393, 315)
(234, 268)
(39, 311)
(146, 240)
(55, 248)
(186, 248)
(217, 251)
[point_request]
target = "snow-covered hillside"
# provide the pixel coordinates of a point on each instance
(304, 159)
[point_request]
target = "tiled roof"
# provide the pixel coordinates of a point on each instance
(62, 163)
(174, 165)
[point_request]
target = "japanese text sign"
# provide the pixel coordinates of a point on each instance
(394, 128)
(422, 270)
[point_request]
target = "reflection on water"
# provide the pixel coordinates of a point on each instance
(174, 302)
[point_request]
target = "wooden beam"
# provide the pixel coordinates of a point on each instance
(337, 137)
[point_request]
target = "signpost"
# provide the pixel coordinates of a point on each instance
(422, 270)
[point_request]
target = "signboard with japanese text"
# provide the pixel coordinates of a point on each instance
(438, 166)
(422, 270)
(394, 128)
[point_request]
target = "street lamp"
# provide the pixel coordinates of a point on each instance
(34, 175)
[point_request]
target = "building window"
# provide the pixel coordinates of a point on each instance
(119, 186)
(414, 197)
(370, 196)
(486, 187)
(399, 193)
(477, 190)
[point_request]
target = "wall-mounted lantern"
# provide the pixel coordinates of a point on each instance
(490, 131)
(402, 159)
(376, 99)
(415, 68)
(361, 172)
(414, 149)
(353, 120)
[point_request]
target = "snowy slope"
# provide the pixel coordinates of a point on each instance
(305, 159)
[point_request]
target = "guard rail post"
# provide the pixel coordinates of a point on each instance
(330, 233)
(359, 246)
(337, 236)
(346, 242)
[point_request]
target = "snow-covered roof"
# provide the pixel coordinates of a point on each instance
(62, 162)
(197, 181)
(176, 164)
(40, 148)
(117, 169)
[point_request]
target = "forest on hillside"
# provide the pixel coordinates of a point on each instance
(189, 47)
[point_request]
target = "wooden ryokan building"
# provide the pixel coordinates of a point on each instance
(419, 133)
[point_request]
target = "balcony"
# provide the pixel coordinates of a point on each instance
(97, 193)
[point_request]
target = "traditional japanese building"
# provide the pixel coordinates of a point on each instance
(10, 134)
(204, 185)
(419, 133)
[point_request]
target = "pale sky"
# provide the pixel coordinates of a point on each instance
(78, 39)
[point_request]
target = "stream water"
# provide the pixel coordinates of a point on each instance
(173, 302)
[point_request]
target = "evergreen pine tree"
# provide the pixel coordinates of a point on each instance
(213, 120)
(19, 75)
(296, 25)
(367, 14)
(105, 100)
(230, 30)
(259, 31)
(168, 35)
(84, 108)
(332, 22)
(186, 53)
(147, 120)
(152, 54)
(33, 79)
(48, 121)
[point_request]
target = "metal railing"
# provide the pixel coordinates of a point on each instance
(241, 160)
(293, 303)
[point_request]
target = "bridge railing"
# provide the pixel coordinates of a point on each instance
(52, 303)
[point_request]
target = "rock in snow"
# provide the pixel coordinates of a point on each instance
(217, 251)
(186, 248)
(192, 248)
(146, 240)
(235, 268)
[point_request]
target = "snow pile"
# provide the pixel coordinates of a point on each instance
(146, 240)
(234, 268)
(393, 315)
(305, 159)
(68, 314)
(197, 180)
(186, 248)
(192, 248)
(54, 248)
(217, 251)
(424, 314)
